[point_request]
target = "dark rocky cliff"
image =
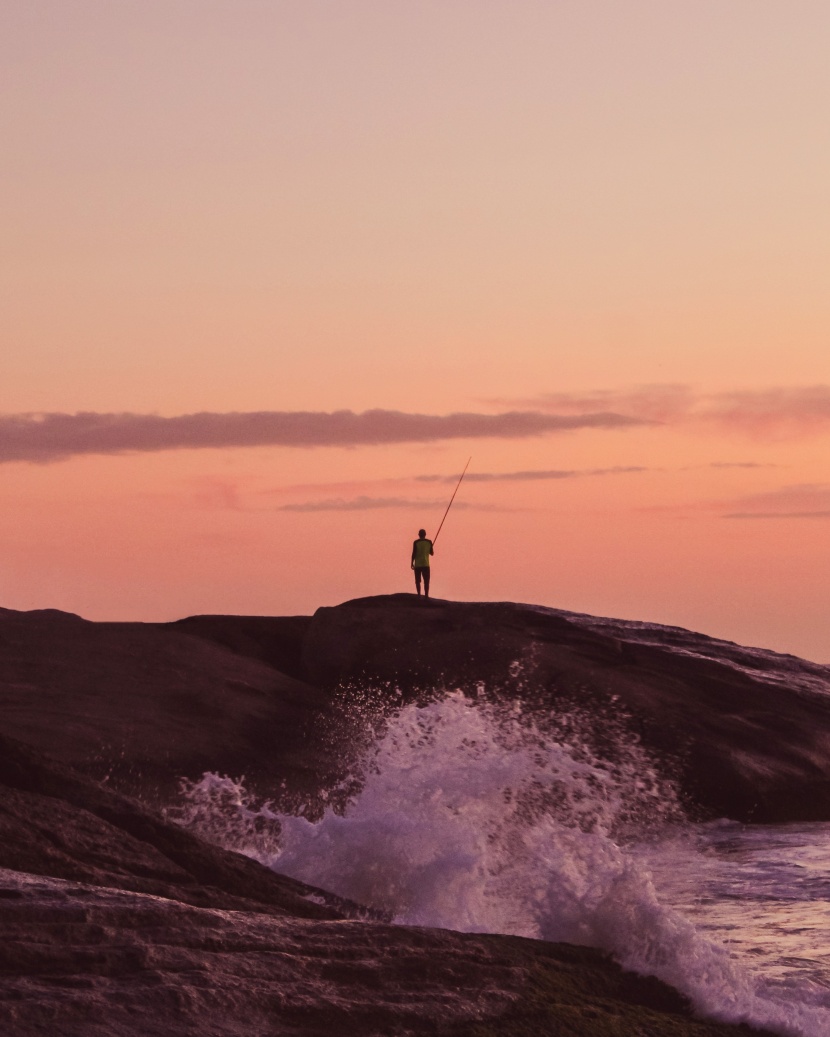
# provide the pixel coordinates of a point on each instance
(746, 733)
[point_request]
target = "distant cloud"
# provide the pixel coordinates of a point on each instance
(532, 475)
(777, 514)
(652, 403)
(777, 413)
(742, 464)
(361, 503)
(727, 465)
(529, 475)
(372, 503)
(805, 500)
(54, 437)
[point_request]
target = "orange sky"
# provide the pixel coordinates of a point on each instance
(564, 210)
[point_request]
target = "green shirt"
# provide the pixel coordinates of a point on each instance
(421, 550)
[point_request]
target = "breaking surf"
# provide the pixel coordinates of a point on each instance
(465, 815)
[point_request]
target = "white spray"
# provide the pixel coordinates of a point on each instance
(471, 818)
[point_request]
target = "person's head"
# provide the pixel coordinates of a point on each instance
(422, 533)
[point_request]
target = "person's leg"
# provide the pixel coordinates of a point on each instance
(418, 579)
(426, 581)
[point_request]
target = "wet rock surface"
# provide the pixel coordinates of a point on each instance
(84, 961)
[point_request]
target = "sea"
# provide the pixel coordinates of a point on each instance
(466, 815)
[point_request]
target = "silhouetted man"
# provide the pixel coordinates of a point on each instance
(421, 550)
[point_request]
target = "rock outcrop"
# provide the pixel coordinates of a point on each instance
(745, 733)
(117, 923)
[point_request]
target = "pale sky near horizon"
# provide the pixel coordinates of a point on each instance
(587, 243)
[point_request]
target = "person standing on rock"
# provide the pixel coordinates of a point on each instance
(421, 550)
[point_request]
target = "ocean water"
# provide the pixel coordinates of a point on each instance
(466, 816)
(762, 891)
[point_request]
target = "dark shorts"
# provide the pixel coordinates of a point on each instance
(421, 570)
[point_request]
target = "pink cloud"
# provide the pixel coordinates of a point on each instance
(651, 403)
(805, 500)
(777, 514)
(772, 413)
(365, 503)
(533, 475)
(54, 437)
(776, 413)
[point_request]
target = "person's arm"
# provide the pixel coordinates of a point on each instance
(414, 545)
(430, 548)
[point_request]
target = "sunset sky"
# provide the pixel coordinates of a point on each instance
(272, 271)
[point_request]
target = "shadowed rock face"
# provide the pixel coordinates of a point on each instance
(54, 822)
(276, 641)
(143, 705)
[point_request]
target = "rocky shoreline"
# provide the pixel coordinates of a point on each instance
(117, 922)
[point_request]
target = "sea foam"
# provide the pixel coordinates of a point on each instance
(474, 817)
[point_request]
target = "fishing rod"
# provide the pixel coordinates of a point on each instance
(466, 466)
